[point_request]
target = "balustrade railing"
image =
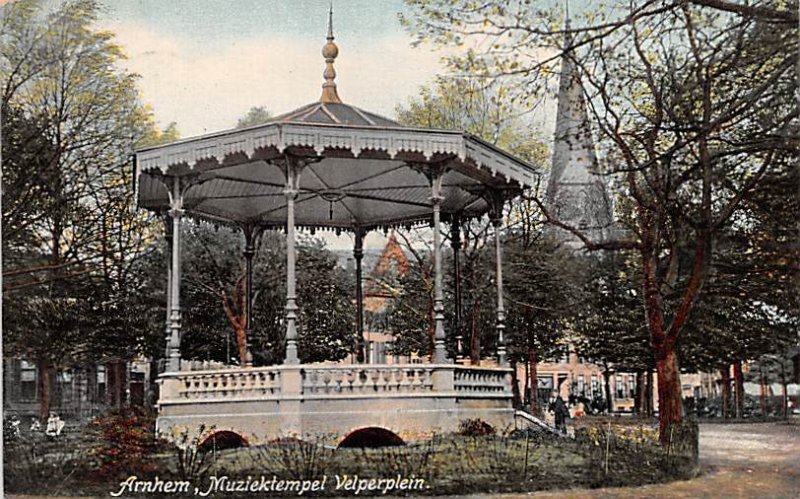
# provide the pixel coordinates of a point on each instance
(363, 380)
(476, 381)
(356, 380)
(230, 383)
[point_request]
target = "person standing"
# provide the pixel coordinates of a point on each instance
(561, 413)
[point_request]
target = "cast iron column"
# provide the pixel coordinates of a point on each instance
(249, 252)
(497, 222)
(358, 255)
(175, 213)
(439, 352)
(168, 237)
(455, 240)
(291, 296)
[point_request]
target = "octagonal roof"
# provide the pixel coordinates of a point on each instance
(361, 169)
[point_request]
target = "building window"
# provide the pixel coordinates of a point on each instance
(620, 387)
(564, 354)
(380, 353)
(101, 382)
(562, 378)
(28, 378)
(65, 385)
(544, 387)
(581, 385)
(632, 386)
(595, 386)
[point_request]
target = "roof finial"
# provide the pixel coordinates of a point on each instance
(330, 23)
(329, 52)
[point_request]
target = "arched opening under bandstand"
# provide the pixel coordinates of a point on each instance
(223, 440)
(371, 437)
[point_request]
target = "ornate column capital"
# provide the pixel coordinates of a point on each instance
(176, 213)
(291, 193)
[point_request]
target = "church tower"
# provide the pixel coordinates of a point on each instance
(576, 193)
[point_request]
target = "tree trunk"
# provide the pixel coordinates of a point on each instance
(784, 393)
(533, 381)
(607, 384)
(648, 394)
(725, 376)
(785, 400)
(738, 383)
(111, 381)
(44, 369)
(116, 384)
(638, 401)
(527, 387)
(515, 385)
(763, 393)
(241, 345)
(670, 404)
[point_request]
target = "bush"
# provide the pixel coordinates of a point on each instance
(124, 444)
(475, 428)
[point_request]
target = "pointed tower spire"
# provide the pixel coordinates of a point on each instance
(329, 52)
(576, 193)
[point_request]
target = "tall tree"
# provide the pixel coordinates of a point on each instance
(74, 119)
(694, 103)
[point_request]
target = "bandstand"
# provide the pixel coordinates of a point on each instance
(329, 165)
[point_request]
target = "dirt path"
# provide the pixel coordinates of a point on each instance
(737, 460)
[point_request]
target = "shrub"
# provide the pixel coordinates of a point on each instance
(125, 443)
(475, 428)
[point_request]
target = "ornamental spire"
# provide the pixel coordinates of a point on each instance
(329, 52)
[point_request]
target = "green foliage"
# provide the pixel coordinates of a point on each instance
(214, 268)
(71, 118)
(293, 458)
(256, 115)
(612, 328)
(694, 105)
(410, 310)
(454, 464)
(327, 313)
(475, 428)
(484, 111)
(543, 285)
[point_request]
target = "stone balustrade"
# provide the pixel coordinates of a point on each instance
(367, 379)
(481, 382)
(229, 384)
(264, 383)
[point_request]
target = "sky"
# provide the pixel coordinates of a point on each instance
(203, 64)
